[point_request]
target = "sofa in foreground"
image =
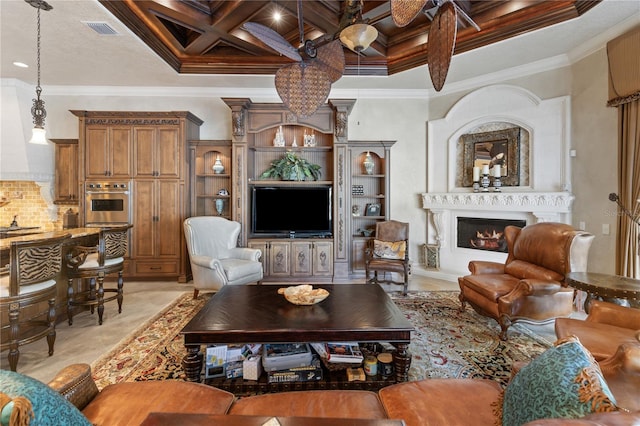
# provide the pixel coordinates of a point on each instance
(564, 382)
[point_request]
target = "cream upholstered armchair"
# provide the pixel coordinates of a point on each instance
(530, 286)
(215, 258)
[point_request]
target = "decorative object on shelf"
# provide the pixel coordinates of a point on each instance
(221, 202)
(357, 189)
(219, 206)
(368, 163)
(476, 179)
(373, 209)
(366, 232)
(295, 142)
(303, 294)
(37, 110)
(309, 139)
(496, 178)
(279, 139)
(218, 167)
(355, 210)
(485, 178)
(292, 167)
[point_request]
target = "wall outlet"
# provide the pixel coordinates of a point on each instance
(581, 225)
(605, 229)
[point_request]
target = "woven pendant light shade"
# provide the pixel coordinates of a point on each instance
(405, 11)
(331, 60)
(441, 42)
(302, 87)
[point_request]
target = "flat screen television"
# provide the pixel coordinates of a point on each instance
(291, 212)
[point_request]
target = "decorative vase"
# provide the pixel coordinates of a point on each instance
(218, 167)
(219, 206)
(368, 164)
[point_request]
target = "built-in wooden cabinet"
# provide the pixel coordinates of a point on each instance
(295, 258)
(149, 150)
(66, 171)
(254, 128)
(211, 187)
(157, 152)
(107, 151)
(369, 199)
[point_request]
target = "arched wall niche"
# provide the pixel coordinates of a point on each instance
(544, 138)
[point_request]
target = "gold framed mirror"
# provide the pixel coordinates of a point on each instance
(490, 148)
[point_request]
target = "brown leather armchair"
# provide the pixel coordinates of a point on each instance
(530, 286)
(389, 252)
(606, 327)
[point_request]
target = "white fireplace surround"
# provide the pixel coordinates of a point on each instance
(545, 195)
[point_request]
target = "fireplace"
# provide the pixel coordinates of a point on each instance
(484, 234)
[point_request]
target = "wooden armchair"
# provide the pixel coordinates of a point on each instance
(389, 252)
(33, 268)
(530, 286)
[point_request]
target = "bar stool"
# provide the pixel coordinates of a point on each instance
(94, 263)
(33, 268)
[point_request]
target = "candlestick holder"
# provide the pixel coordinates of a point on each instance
(484, 181)
(497, 184)
(476, 186)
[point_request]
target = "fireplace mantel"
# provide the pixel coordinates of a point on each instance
(445, 207)
(537, 203)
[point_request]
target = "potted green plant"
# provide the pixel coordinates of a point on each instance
(292, 167)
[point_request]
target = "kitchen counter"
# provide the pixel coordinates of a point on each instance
(5, 243)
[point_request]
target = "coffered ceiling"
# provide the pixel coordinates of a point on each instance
(165, 44)
(207, 37)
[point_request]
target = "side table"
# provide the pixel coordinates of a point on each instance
(611, 288)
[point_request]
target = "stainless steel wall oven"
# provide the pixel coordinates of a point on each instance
(107, 203)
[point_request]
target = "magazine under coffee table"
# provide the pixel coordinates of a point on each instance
(258, 314)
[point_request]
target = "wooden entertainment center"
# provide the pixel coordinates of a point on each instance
(251, 151)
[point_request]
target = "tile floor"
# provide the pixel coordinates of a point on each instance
(86, 341)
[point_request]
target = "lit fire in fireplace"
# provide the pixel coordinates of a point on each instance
(488, 240)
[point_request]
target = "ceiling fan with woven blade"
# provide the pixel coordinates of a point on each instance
(442, 32)
(305, 85)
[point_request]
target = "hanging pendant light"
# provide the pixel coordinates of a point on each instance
(359, 35)
(37, 110)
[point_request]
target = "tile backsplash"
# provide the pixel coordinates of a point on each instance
(26, 202)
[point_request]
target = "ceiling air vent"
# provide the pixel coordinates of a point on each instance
(101, 28)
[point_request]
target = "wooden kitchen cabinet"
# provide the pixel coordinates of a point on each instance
(66, 187)
(157, 231)
(157, 151)
(107, 151)
(149, 150)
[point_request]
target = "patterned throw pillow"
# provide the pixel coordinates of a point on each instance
(389, 249)
(563, 382)
(49, 407)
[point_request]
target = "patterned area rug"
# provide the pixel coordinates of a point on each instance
(447, 343)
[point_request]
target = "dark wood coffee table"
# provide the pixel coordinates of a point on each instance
(611, 288)
(258, 314)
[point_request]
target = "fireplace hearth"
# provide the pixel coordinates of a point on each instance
(484, 234)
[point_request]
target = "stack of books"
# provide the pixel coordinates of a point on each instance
(339, 352)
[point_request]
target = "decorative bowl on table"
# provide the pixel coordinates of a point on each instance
(303, 294)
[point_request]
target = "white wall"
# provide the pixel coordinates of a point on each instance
(595, 165)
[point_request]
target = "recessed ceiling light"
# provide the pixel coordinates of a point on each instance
(277, 16)
(20, 64)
